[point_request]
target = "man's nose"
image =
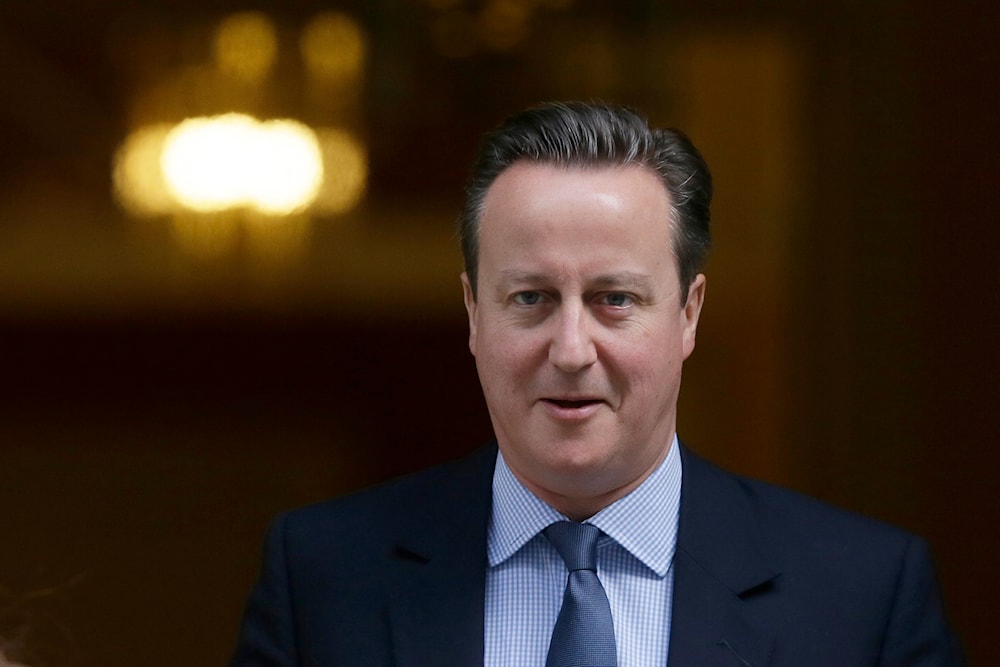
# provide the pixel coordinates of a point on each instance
(572, 346)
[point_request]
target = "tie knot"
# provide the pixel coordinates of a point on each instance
(576, 543)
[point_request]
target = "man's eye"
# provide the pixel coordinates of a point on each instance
(618, 300)
(527, 298)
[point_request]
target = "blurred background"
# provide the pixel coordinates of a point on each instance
(229, 280)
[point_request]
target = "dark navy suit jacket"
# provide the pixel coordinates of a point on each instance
(763, 577)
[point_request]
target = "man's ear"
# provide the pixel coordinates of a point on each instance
(470, 308)
(692, 312)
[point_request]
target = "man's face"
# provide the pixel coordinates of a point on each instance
(579, 328)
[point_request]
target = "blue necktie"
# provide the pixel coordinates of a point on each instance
(584, 635)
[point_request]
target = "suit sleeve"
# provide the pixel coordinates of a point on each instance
(918, 633)
(267, 636)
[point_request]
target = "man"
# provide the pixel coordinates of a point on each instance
(583, 235)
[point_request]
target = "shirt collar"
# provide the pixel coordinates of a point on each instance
(644, 522)
(518, 515)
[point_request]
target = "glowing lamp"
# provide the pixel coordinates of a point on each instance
(234, 160)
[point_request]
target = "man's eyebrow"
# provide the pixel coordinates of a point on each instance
(619, 279)
(624, 279)
(517, 276)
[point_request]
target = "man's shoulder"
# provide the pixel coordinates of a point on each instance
(789, 521)
(836, 578)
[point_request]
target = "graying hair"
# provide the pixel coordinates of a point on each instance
(578, 134)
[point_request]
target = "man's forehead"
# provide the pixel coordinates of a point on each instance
(588, 169)
(526, 180)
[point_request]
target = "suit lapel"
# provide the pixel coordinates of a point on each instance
(719, 558)
(437, 578)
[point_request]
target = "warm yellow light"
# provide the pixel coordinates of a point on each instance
(137, 176)
(333, 47)
(206, 161)
(289, 167)
(270, 241)
(206, 236)
(345, 164)
(246, 45)
(230, 161)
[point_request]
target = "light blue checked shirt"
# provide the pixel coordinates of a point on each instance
(526, 576)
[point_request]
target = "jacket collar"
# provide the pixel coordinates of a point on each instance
(437, 581)
(720, 557)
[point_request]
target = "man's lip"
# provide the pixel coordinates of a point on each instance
(572, 410)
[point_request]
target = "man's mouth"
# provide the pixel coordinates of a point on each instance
(574, 403)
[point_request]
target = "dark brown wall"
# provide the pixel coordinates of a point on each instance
(956, 172)
(142, 459)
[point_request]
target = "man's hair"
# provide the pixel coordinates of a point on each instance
(578, 134)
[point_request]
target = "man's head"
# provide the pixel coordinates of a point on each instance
(580, 312)
(596, 135)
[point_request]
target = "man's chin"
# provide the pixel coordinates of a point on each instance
(588, 469)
